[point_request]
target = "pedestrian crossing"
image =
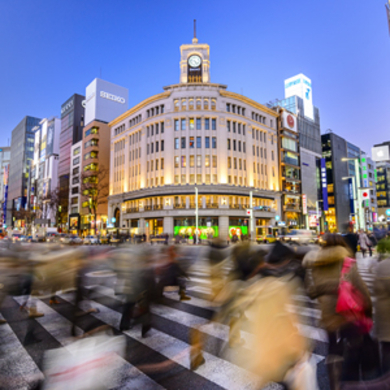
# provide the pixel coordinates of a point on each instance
(23, 341)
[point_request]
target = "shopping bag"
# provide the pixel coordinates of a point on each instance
(303, 376)
(87, 364)
(350, 301)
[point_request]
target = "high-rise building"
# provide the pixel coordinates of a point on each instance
(299, 100)
(22, 154)
(44, 171)
(194, 150)
(72, 123)
(105, 102)
(368, 180)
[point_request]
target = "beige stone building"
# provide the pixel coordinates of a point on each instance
(194, 135)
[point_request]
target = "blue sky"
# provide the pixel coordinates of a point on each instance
(51, 49)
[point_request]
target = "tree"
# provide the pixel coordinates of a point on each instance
(94, 188)
(57, 202)
(28, 216)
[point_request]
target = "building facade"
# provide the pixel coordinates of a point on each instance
(299, 100)
(22, 154)
(194, 136)
(44, 171)
(5, 155)
(72, 123)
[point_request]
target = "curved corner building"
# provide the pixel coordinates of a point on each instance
(195, 134)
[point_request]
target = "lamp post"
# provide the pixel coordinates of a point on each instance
(356, 213)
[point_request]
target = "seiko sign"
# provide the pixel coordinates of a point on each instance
(110, 96)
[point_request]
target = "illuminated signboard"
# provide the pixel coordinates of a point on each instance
(324, 186)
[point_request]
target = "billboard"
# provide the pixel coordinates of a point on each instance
(189, 231)
(50, 140)
(351, 196)
(289, 121)
(380, 153)
(300, 85)
(104, 101)
(324, 186)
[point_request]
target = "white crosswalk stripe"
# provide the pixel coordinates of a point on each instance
(15, 360)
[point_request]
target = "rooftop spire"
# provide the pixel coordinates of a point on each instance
(194, 39)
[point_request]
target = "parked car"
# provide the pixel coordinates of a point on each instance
(51, 237)
(269, 239)
(72, 239)
(16, 237)
(91, 240)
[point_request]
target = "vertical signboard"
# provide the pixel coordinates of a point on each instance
(304, 204)
(324, 185)
(5, 182)
(50, 140)
(351, 196)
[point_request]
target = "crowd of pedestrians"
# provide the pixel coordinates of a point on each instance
(254, 300)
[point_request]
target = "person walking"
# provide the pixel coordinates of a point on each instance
(364, 242)
(346, 356)
(373, 241)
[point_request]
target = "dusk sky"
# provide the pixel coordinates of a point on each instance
(50, 50)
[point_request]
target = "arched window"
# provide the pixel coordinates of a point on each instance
(191, 104)
(213, 104)
(183, 104)
(206, 104)
(198, 104)
(176, 104)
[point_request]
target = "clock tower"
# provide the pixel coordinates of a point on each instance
(195, 61)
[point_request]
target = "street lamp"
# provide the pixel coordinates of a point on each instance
(356, 213)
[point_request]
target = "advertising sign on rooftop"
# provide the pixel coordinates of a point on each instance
(300, 85)
(380, 153)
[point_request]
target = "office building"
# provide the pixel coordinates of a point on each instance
(44, 171)
(72, 123)
(195, 149)
(90, 160)
(22, 154)
(299, 100)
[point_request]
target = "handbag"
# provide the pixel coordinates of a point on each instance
(350, 301)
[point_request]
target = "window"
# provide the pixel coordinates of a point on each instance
(243, 129)
(254, 167)
(183, 179)
(207, 124)
(272, 155)
(228, 126)
(89, 155)
(156, 128)
(198, 160)
(162, 166)
(76, 161)
(207, 142)
(176, 143)
(206, 104)
(183, 162)
(239, 146)
(229, 179)
(234, 127)
(235, 162)
(198, 124)
(207, 161)
(157, 147)
(228, 107)
(176, 125)
(157, 164)
(228, 143)
(76, 180)
(91, 142)
(75, 190)
(176, 104)
(177, 179)
(151, 148)
(234, 145)
(213, 104)
(214, 142)
(151, 130)
(199, 178)
(257, 151)
(257, 135)
(198, 142)
(192, 179)
(76, 171)
(91, 167)
(254, 150)
(214, 161)
(192, 142)
(183, 124)
(240, 164)
(162, 145)
(244, 165)
(147, 149)
(183, 142)
(76, 151)
(162, 127)
(192, 124)
(213, 124)
(290, 144)
(207, 179)
(177, 160)
(244, 147)
(192, 161)
(93, 130)
(229, 162)
(151, 165)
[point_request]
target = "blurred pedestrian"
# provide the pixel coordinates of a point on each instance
(364, 242)
(347, 356)
(373, 241)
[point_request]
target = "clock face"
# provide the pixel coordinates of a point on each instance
(194, 61)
